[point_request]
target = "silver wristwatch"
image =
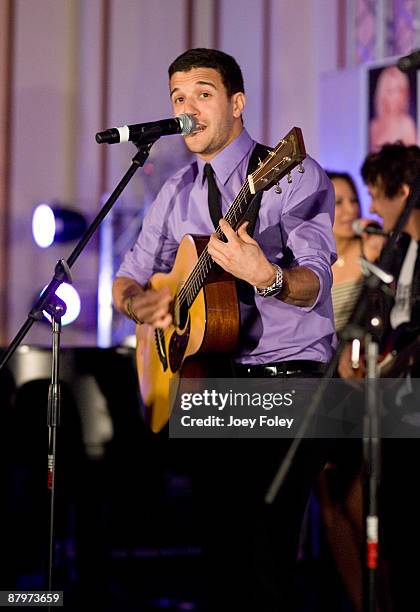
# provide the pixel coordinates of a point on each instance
(275, 287)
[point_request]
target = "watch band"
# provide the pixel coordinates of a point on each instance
(275, 287)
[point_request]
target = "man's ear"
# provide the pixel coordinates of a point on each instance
(404, 190)
(238, 103)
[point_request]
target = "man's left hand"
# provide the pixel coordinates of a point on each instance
(241, 256)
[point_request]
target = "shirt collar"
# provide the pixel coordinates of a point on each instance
(228, 159)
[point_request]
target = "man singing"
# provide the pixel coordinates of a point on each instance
(286, 324)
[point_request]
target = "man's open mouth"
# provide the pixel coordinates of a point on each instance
(199, 128)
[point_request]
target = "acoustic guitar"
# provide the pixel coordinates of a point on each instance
(205, 308)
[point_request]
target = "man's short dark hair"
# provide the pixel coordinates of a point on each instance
(225, 64)
(392, 166)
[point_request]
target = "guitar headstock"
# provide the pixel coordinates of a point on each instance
(289, 152)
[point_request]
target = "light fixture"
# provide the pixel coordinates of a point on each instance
(71, 299)
(52, 223)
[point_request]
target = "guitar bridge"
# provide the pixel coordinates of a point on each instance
(160, 347)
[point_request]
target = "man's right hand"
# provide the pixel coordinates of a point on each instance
(152, 307)
(147, 305)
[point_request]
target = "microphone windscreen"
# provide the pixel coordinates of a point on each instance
(373, 227)
(188, 124)
(357, 227)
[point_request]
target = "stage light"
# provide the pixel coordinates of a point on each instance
(53, 223)
(71, 298)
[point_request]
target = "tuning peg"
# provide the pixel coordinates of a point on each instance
(301, 169)
(278, 189)
(289, 177)
(260, 163)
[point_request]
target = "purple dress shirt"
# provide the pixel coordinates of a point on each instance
(293, 228)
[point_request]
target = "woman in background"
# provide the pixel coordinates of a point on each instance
(339, 488)
(347, 274)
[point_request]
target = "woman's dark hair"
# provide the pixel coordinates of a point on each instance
(345, 176)
(225, 64)
(392, 166)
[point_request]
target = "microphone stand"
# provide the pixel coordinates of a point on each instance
(51, 303)
(359, 326)
(57, 308)
(372, 462)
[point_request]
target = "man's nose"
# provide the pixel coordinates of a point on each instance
(190, 107)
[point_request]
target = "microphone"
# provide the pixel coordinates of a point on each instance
(410, 62)
(148, 132)
(371, 228)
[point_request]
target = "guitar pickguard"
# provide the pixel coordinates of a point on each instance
(177, 347)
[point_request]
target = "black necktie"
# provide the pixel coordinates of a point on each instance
(214, 196)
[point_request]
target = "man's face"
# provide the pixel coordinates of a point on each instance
(389, 209)
(201, 92)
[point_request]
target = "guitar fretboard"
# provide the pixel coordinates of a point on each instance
(198, 275)
(289, 152)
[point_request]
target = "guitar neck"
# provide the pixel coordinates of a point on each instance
(288, 154)
(200, 272)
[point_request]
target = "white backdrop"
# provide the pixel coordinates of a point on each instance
(82, 66)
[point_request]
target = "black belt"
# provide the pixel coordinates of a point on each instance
(297, 367)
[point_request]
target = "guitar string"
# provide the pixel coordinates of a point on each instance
(198, 267)
(186, 291)
(205, 262)
(244, 192)
(205, 259)
(190, 288)
(204, 256)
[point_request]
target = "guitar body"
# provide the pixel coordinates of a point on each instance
(209, 326)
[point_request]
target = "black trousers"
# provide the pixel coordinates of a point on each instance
(250, 548)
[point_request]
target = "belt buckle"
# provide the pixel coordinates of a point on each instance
(272, 370)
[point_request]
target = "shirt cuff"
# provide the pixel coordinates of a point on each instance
(325, 283)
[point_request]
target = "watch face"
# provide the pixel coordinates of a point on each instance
(268, 291)
(275, 288)
(271, 291)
